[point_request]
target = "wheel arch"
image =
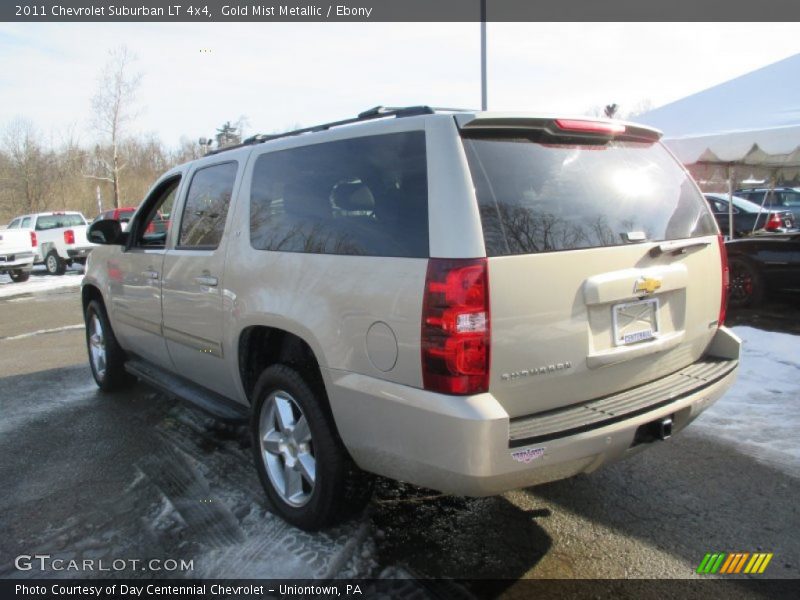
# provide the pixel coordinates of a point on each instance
(261, 346)
(91, 292)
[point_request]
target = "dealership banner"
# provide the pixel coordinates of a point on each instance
(398, 10)
(396, 589)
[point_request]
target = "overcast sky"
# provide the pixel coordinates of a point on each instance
(279, 75)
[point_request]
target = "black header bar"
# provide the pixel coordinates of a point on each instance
(205, 11)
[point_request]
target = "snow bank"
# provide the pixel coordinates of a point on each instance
(761, 412)
(40, 281)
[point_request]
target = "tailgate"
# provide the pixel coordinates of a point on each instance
(604, 261)
(575, 328)
(15, 241)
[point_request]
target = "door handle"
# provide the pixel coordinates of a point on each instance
(206, 280)
(150, 274)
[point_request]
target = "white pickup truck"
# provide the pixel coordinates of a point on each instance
(17, 253)
(61, 238)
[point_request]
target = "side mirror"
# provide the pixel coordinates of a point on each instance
(106, 231)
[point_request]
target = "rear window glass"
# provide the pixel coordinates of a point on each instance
(536, 197)
(46, 222)
(364, 196)
(791, 199)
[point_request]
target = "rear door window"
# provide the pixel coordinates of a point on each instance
(14, 224)
(364, 196)
(26, 223)
(546, 197)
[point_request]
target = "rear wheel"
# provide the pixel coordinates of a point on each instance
(54, 264)
(106, 357)
(18, 275)
(309, 478)
(747, 285)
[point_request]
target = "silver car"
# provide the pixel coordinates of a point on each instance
(472, 302)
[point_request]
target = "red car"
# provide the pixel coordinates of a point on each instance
(123, 215)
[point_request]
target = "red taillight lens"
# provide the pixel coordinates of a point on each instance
(69, 236)
(34, 241)
(456, 326)
(726, 280)
(590, 126)
(774, 222)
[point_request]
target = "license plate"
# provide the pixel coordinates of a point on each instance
(635, 321)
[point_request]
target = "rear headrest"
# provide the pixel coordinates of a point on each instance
(353, 196)
(302, 199)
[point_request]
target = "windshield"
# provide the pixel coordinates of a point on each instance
(543, 197)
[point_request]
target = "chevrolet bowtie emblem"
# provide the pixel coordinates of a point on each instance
(646, 285)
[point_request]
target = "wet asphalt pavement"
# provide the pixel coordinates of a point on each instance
(138, 474)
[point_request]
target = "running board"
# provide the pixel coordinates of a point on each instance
(212, 403)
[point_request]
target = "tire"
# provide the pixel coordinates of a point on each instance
(18, 275)
(308, 476)
(54, 264)
(747, 284)
(106, 357)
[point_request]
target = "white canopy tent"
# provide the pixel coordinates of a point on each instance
(749, 125)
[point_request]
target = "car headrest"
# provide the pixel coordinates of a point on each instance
(302, 199)
(353, 196)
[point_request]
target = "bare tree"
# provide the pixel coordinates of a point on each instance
(27, 176)
(113, 107)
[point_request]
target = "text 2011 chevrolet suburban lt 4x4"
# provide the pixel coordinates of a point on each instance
(471, 302)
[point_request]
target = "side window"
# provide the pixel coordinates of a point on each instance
(151, 231)
(207, 206)
(14, 224)
(26, 223)
(364, 196)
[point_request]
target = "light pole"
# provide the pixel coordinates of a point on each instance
(484, 99)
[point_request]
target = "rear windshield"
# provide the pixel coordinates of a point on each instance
(541, 197)
(56, 221)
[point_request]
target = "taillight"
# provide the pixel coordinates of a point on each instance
(726, 280)
(456, 326)
(590, 126)
(69, 236)
(34, 241)
(774, 222)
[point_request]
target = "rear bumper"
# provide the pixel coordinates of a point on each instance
(463, 445)
(74, 253)
(15, 261)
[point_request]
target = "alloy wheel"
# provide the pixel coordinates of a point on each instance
(287, 448)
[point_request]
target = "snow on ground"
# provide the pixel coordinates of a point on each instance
(761, 412)
(40, 281)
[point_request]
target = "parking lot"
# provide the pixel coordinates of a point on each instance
(139, 475)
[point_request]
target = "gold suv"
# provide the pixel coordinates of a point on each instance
(471, 302)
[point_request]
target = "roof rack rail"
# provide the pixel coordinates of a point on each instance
(376, 112)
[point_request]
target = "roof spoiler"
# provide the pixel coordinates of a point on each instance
(575, 127)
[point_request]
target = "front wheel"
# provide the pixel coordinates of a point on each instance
(106, 357)
(747, 285)
(18, 275)
(309, 478)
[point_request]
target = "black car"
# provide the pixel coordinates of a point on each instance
(749, 217)
(779, 198)
(761, 263)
